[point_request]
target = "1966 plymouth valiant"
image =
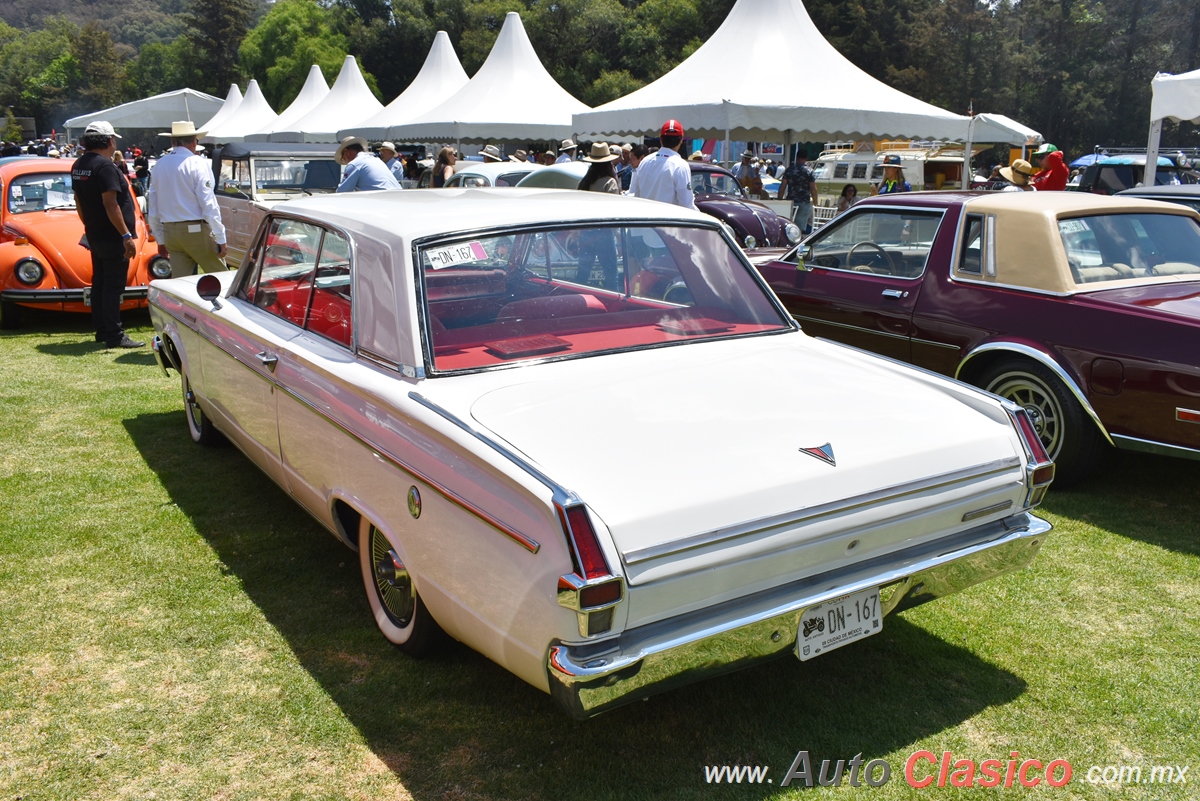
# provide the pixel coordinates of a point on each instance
(605, 492)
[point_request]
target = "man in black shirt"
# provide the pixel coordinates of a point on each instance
(105, 204)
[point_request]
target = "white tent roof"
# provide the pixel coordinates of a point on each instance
(999, 128)
(250, 115)
(512, 97)
(1176, 97)
(232, 101)
(313, 92)
(349, 100)
(158, 111)
(440, 77)
(725, 86)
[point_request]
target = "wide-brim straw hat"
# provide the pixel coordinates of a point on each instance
(1019, 172)
(520, 157)
(567, 144)
(183, 129)
(600, 152)
(345, 143)
(491, 152)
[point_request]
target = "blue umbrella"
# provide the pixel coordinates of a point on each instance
(1089, 159)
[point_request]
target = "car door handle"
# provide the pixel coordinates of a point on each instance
(894, 293)
(268, 360)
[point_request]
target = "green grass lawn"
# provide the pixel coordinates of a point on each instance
(174, 627)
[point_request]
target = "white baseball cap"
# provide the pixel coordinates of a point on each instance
(101, 127)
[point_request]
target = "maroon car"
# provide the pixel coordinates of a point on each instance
(1083, 309)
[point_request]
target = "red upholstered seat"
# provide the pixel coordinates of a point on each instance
(551, 306)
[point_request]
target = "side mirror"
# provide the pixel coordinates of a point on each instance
(209, 289)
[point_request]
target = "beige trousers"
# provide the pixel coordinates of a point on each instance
(191, 244)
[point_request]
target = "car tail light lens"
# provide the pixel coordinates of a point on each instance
(1040, 470)
(591, 591)
(30, 271)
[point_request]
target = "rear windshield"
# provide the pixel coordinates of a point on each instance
(500, 299)
(1114, 247)
(296, 174)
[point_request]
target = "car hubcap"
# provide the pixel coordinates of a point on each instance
(193, 408)
(392, 581)
(1043, 408)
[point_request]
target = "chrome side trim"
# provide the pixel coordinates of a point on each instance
(986, 511)
(812, 514)
(1157, 448)
(528, 543)
(589, 678)
(562, 496)
(801, 319)
(1045, 361)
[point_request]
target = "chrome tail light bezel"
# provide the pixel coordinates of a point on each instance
(1039, 467)
(592, 591)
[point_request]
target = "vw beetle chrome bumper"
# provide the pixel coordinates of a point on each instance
(591, 678)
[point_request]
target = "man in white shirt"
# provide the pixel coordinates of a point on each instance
(566, 152)
(182, 209)
(664, 175)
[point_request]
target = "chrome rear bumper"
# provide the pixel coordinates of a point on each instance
(591, 678)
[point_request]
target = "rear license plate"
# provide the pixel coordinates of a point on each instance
(838, 622)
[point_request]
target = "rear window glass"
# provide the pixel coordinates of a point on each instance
(500, 299)
(1114, 247)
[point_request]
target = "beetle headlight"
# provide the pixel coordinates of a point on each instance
(793, 233)
(750, 241)
(30, 271)
(160, 267)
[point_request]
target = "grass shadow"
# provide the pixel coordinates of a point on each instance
(1149, 498)
(456, 725)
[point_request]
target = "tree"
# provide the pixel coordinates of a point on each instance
(101, 69)
(294, 35)
(215, 30)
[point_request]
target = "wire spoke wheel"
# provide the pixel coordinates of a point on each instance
(392, 594)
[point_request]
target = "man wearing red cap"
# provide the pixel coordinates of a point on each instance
(664, 175)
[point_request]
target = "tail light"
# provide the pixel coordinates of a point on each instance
(592, 591)
(1040, 470)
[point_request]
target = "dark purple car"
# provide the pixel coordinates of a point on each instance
(719, 194)
(1083, 309)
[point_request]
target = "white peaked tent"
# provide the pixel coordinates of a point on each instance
(251, 115)
(1177, 98)
(819, 95)
(349, 101)
(313, 92)
(440, 77)
(232, 101)
(158, 111)
(512, 97)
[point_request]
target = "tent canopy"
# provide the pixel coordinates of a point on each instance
(313, 92)
(511, 98)
(250, 115)
(440, 77)
(1176, 97)
(232, 100)
(158, 111)
(350, 100)
(835, 99)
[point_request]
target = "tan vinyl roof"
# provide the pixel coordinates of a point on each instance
(1029, 250)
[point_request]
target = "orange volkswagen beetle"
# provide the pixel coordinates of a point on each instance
(42, 263)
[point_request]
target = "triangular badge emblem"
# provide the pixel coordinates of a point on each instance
(822, 452)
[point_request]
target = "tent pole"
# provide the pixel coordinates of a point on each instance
(725, 149)
(1151, 172)
(967, 172)
(787, 148)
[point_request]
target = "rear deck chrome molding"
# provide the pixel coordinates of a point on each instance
(562, 495)
(587, 679)
(812, 514)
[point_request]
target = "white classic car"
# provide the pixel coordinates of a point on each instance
(607, 492)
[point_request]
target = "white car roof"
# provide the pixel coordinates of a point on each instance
(493, 168)
(413, 214)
